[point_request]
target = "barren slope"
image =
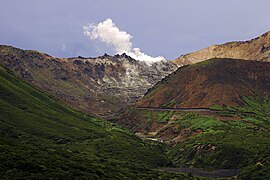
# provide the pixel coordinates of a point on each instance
(98, 86)
(255, 49)
(209, 83)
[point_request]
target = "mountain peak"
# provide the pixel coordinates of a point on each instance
(254, 49)
(108, 82)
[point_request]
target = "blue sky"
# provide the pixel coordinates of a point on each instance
(167, 28)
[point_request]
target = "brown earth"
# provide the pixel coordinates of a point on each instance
(213, 82)
(145, 123)
(222, 82)
(254, 49)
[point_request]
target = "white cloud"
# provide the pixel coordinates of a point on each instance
(107, 32)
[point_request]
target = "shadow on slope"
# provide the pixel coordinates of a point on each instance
(40, 138)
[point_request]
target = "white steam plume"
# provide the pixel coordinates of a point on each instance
(110, 34)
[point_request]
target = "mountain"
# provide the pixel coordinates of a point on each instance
(231, 138)
(43, 139)
(213, 82)
(98, 86)
(255, 49)
(214, 115)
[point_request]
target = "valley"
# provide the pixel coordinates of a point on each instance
(211, 141)
(41, 138)
(216, 128)
(113, 117)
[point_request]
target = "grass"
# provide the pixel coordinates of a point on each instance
(42, 138)
(160, 116)
(195, 122)
(164, 116)
(231, 144)
(216, 107)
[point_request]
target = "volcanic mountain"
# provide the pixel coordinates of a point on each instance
(97, 86)
(213, 113)
(41, 137)
(213, 82)
(254, 49)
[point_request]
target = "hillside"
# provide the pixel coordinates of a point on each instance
(232, 138)
(97, 86)
(40, 138)
(230, 131)
(213, 82)
(255, 49)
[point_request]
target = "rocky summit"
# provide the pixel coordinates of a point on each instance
(254, 49)
(98, 86)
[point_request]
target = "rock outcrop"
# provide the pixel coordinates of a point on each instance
(98, 86)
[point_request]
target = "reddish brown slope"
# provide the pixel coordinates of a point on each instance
(212, 82)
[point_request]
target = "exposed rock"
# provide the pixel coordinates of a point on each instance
(98, 86)
(255, 49)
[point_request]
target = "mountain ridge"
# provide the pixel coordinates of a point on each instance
(208, 83)
(99, 86)
(232, 129)
(255, 49)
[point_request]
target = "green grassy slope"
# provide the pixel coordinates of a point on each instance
(40, 138)
(234, 138)
(230, 144)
